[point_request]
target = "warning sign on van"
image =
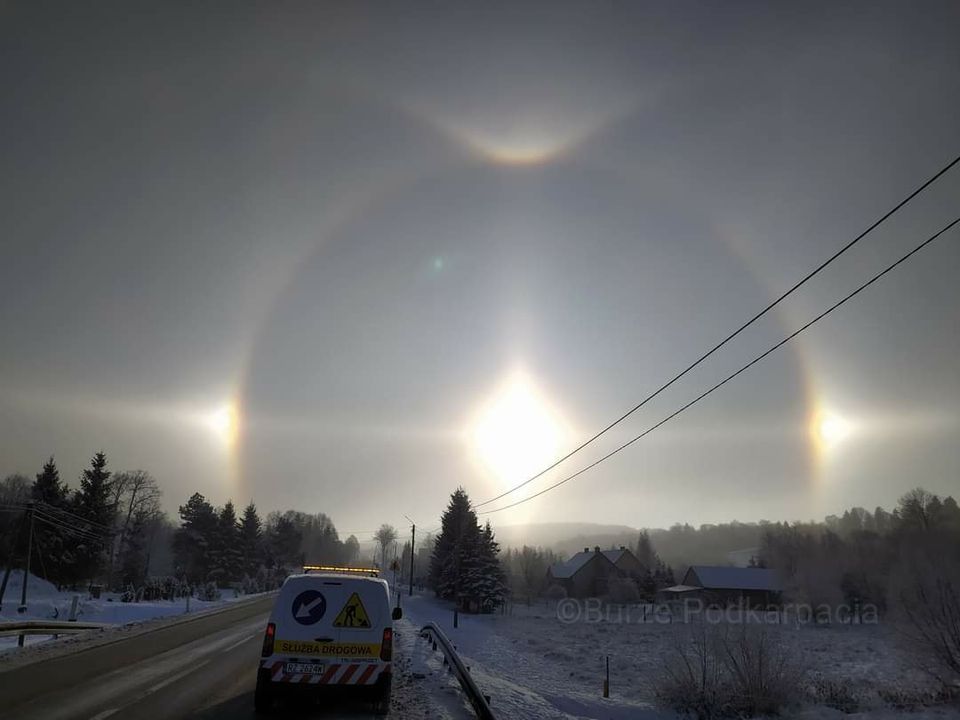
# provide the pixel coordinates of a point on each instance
(353, 615)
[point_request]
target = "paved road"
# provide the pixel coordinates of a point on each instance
(204, 668)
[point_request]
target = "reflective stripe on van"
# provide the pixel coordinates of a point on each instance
(360, 673)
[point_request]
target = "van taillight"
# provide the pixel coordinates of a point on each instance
(268, 640)
(386, 647)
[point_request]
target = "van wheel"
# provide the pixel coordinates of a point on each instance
(381, 705)
(263, 696)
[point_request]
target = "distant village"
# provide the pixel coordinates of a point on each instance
(600, 573)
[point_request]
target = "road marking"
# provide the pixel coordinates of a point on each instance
(240, 642)
(104, 714)
(173, 678)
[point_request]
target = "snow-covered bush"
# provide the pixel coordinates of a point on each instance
(692, 679)
(720, 671)
(927, 593)
(164, 588)
(913, 699)
(836, 694)
(209, 592)
(129, 594)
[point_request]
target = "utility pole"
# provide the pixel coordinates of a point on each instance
(10, 558)
(26, 572)
(413, 544)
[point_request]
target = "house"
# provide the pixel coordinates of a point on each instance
(587, 574)
(730, 585)
(626, 562)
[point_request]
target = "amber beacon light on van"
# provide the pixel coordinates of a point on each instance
(338, 569)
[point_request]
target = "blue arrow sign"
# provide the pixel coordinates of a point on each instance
(308, 607)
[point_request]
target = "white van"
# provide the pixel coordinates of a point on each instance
(328, 632)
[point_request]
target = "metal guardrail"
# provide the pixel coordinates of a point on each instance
(47, 627)
(477, 699)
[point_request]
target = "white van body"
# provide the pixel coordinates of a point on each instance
(328, 629)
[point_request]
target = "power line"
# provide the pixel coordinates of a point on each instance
(70, 531)
(729, 337)
(53, 509)
(70, 527)
(727, 379)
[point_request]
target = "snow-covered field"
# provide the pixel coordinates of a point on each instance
(44, 602)
(536, 666)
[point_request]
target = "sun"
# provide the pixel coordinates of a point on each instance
(224, 423)
(830, 429)
(517, 432)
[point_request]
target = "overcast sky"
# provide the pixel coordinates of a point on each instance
(343, 258)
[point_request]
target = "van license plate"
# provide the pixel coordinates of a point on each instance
(303, 668)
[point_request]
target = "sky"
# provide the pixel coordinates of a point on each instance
(344, 257)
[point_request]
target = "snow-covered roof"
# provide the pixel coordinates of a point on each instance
(614, 555)
(572, 566)
(681, 588)
(736, 578)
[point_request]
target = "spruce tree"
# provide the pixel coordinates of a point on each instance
(458, 529)
(51, 542)
(193, 539)
(47, 488)
(228, 558)
(251, 540)
(94, 504)
(488, 583)
(465, 560)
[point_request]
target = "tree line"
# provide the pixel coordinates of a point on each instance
(864, 557)
(111, 530)
(100, 529)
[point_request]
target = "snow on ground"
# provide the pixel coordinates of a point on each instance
(526, 673)
(45, 602)
(534, 666)
(422, 687)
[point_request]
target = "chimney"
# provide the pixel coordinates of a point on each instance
(596, 548)
(586, 549)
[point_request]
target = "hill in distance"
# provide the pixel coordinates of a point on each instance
(566, 538)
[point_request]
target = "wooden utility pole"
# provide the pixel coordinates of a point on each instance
(10, 558)
(26, 572)
(413, 545)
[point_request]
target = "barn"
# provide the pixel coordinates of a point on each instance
(731, 585)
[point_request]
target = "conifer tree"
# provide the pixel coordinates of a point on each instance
(51, 542)
(458, 526)
(94, 504)
(251, 540)
(225, 555)
(192, 540)
(465, 560)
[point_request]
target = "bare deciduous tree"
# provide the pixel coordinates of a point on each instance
(385, 537)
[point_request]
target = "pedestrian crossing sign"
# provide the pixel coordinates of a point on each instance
(353, 614)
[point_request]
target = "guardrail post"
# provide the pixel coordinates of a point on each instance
(606, 682)
(73, 608)
(456, 617)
